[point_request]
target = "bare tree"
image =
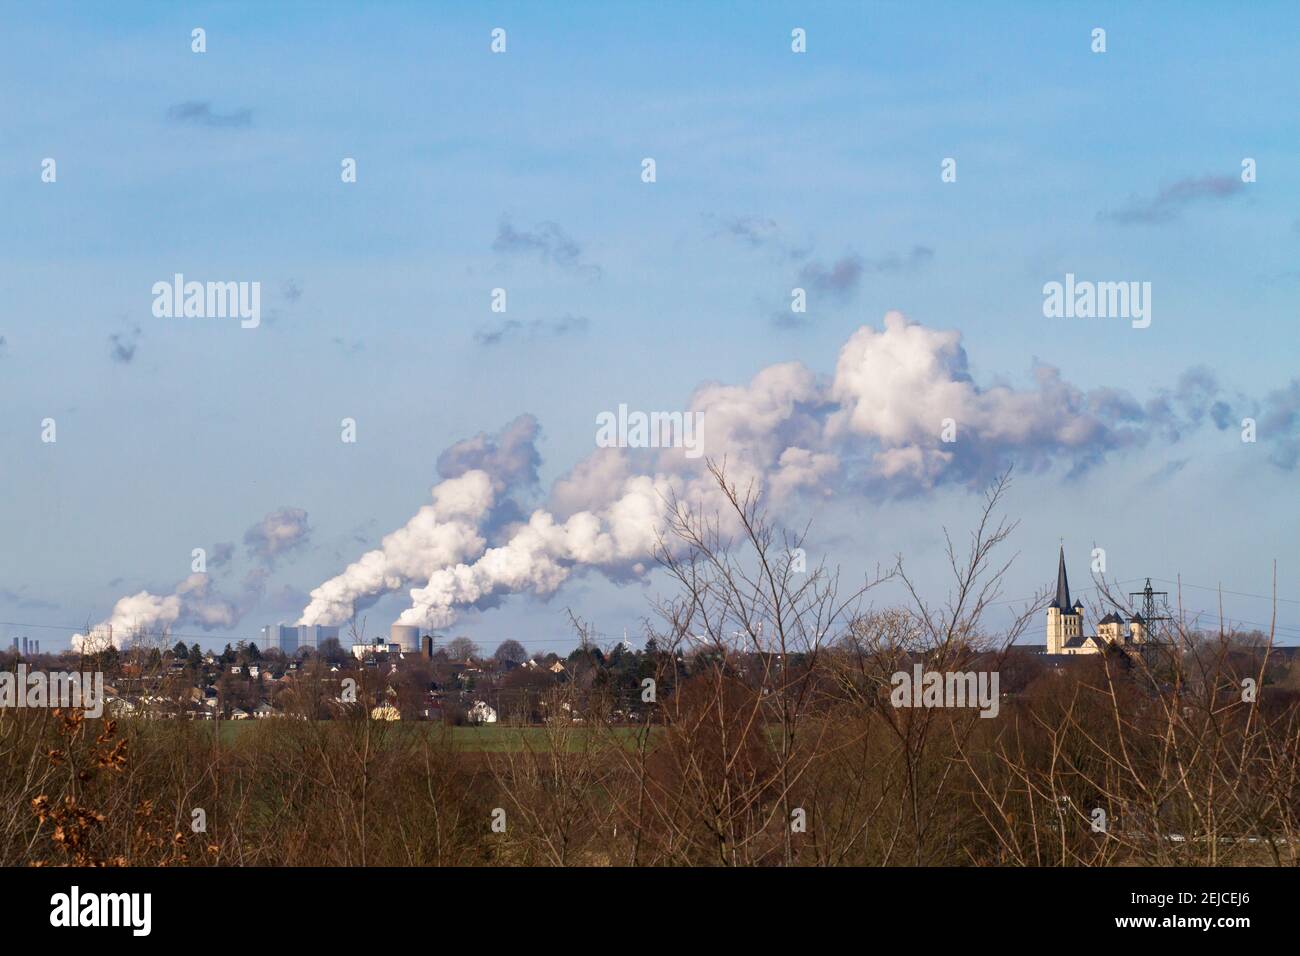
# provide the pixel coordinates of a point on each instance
(511, 651)
(462, 649)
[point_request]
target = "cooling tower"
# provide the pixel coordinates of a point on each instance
(406, 636)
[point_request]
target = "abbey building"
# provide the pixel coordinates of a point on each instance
(1065, 624)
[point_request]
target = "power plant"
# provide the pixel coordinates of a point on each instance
(314, 635)
(403, 639)
(405, 636)
(287, 638)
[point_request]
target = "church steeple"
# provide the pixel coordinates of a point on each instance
(1062, 587)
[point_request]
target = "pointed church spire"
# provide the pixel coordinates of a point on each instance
(1062, 586)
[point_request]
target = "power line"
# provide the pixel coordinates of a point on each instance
(1202, 587)
(1076, 591)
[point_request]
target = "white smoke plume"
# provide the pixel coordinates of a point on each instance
(279, 532)
(478, 474)
(444, 532)
(138, 613)
(877, 424)
(196, 600)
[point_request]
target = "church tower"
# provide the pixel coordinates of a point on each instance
(1064, 620)
(1138, 627)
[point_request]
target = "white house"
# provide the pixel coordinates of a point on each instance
(481, 713)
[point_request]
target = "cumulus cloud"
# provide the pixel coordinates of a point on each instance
(1168, 204)
(896, 388)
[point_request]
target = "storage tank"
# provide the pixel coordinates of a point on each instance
(406, 636)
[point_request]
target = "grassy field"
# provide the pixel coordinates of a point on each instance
(492, 738)
(487, 738)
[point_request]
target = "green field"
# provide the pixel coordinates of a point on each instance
(492, 738)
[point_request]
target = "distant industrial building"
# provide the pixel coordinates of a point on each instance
(377, 646)
(288, 638)
(279, 637)
(314, 635)
(403, 639)
(406, 636)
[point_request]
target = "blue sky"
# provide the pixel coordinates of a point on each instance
(374, 292)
